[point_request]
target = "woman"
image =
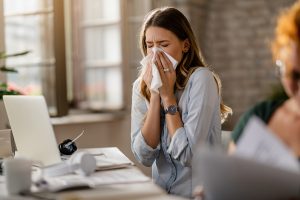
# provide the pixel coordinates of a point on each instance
(283, 115)
(186, 109)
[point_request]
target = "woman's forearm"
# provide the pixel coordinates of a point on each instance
(151, 128)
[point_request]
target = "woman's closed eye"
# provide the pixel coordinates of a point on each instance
(149, 46)
(164, 45)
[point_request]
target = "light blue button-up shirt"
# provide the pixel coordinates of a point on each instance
(171, 160)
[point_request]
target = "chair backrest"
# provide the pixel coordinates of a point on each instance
(226, 137)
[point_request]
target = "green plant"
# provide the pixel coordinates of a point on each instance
(4, 88)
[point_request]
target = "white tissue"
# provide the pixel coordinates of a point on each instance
(156, 80)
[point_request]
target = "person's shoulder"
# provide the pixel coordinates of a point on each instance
(137, 82)
(201, 71)
(264, 109)
(201, 74)
(136, 85)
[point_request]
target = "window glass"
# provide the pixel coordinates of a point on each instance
(21, 6)
(99, 30)
(29, 26)
(101, 9)
(103, 43)
(103, 88)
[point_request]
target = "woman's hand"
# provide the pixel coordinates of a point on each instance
(147, 76)
(167, 74)
(198, 193)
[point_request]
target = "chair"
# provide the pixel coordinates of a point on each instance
(7, 146)
(226, 137)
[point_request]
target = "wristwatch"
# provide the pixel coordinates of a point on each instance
(172, 109)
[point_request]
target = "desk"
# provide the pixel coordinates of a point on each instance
(134, 190)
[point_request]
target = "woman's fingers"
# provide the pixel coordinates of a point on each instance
(163, 64)
(198, 193)
(159, 65)
(166, 63)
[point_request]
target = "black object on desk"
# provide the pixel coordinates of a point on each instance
(1, 166)
(67, 147)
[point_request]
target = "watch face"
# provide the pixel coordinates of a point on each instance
(172, 109)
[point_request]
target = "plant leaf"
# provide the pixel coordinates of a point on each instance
(3, 55)
(8, 69)
(3, 86)
(8, 92)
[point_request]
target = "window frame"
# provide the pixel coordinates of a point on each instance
(62, 106)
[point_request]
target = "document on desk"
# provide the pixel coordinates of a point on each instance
(113, 167)
(109, 158)
(106, 163)
(120, 176)
(260, 144)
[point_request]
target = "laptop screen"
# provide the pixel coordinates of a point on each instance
(32, 129)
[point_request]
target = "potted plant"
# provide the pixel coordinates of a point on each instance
(5, 89)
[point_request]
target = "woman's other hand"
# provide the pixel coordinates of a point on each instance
(167, 74)
(198, 193)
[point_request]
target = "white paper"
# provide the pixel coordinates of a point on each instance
(105, 163)
(258, 143)
(156, 80)
(55, 184)
(108, 159)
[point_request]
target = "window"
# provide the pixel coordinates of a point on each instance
(95, 44)
(29, 26)
(79, 50)
(98, 60)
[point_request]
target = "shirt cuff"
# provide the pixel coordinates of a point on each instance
(144, 151)
(178, 143)
(144, 144)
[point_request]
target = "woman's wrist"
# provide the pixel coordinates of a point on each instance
(154, 97)
(167, 101)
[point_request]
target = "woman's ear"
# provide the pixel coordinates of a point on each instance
(186, 45)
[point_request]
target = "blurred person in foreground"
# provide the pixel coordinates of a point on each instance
(282, 116)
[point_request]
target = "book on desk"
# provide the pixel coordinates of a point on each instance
(108, 159)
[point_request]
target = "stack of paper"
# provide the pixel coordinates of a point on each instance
(109, 158)
(104, 163)
(73, 181)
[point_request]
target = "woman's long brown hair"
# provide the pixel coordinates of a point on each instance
(173, 20)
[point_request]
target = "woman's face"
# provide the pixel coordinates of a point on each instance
(166, 40)
(290, 77)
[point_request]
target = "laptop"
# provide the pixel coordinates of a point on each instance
(230, 177)
(32, 129)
